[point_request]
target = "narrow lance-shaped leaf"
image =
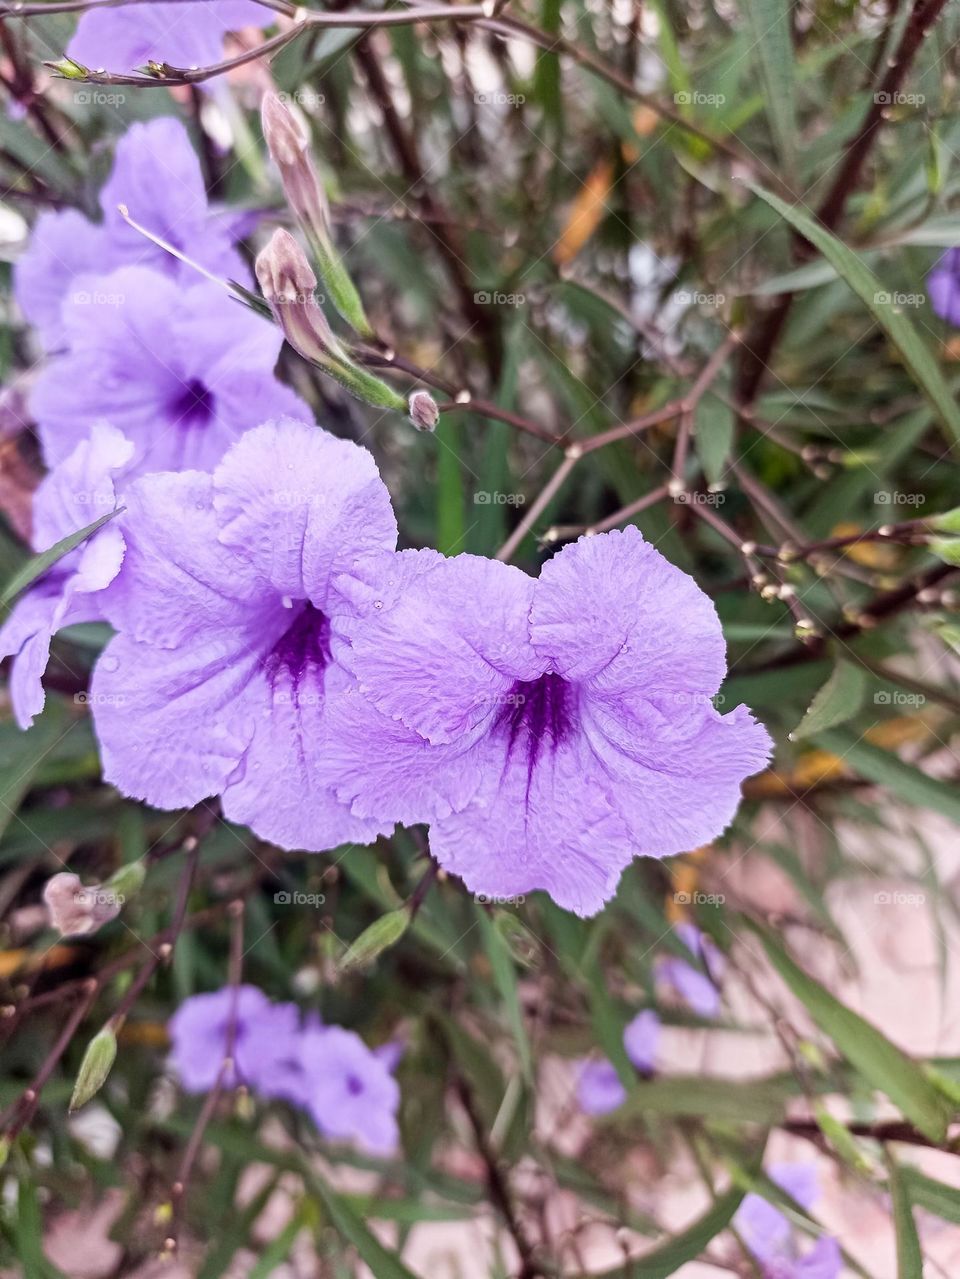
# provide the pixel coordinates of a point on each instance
(909, 1255)
(773, 47)
(899, 329)
(373, 941)
(835, 702)
(880, 1062)
(37, 565)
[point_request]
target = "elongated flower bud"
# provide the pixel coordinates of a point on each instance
(96, 1066)
(288, 146)
(288, 284)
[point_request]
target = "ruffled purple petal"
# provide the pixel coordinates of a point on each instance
(350, 1093)
(62, 246)
(443, 648)
(182, 34)
(302, 507)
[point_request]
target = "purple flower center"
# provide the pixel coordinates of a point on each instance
(193, 408)
(537, 713)
(302, 649)
(354, 1086)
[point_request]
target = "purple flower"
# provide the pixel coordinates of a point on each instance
(943, 287)
(183, 33)
(768, 1234)
(697, 988)
(641, 1039)
(264, 1033)
(547, 730)
(156, 174)
(73, 495)
(599, 1089)
(350, 1092)
(219, 679)
(183, 372)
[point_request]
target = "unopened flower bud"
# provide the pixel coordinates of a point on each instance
(78, 911)
(288, 283)
(96, 1066)
(289, 147)
(424, 413)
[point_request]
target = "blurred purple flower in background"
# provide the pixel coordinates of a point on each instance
(219, 678)
(182, 372)
(199, 1032)
(157, 175)
(347, 1088)
(349, 1092)
(183, 33)
(697, 987)
(73, 495)
(548, 731)
(943, 287)
(599, 1089)
(768, 1234)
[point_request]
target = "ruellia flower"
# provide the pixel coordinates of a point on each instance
(156, 175)
(218, 680)
(348, 1089)
(183, 372)
(768, 1234)
(262, 1032)
(548, 731)
(75, 493)
(182, 33)
(943, 286)
(599, 1087)
(699, 988)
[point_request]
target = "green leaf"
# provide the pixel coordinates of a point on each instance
(384, 1264)
(885, 769)
(686, 1246)
(773, 44)
(933, 1196)
(909, 1255)
(22, 755)
(37, 565)
(714, 427)
(879, 1061)
(899, 329)
(835, 702)
(96, 1066)
(373, 941)
(505, 977)
(946, 549)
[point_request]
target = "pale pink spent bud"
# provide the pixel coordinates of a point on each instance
(288, 146)
(423, 411)
(287, 281)
(78, 911)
